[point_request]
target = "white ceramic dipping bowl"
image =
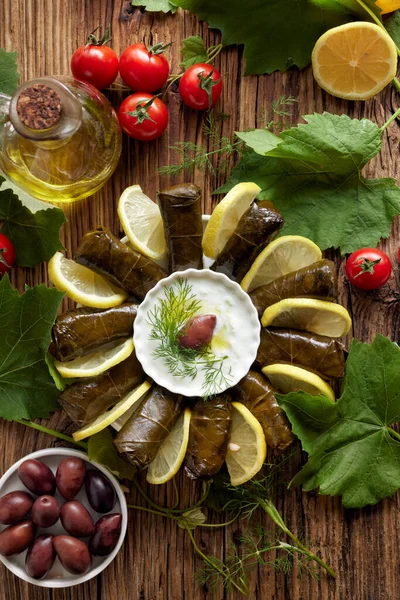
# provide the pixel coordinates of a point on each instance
(237, 325)
(58, 577)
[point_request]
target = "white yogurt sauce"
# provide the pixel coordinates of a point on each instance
(236, 335)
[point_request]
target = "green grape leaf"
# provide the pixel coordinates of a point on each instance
(155, 5)
(392, 25)
(312, 174)
(352, 450)
(193, 51)
(35, 235)
(27, 390)
(102, 450)
(276, 33)
(9, 76)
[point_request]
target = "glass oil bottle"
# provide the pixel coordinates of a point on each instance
(60, 140)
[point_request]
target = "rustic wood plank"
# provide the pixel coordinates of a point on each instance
(157, 562)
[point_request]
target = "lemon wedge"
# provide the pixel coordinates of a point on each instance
(141, 220)
(316, 316)
(113, 414)
(247, 448)
(96, 362)
(226, 216)
(82, 284)
(354, 61)
(280, 257)
(288, 378)
(171, 453)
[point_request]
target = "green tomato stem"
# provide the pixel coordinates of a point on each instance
(52, 432)
(271, 510)
(394, 115)
(213, 52)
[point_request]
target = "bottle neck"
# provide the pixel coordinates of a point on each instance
(43, 109)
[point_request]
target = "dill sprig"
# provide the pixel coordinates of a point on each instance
(280, 107)
(255, 545)
(212, 160)
(253, 549)
(221, 148)
(167, 318)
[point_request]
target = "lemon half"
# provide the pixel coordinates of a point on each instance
(282, 256)
(96, 362)
(142, 222)
(113, 414)
(82, 284)
(288, 378)
(247, 448)
(316, 316)
(354, 61)
(226, 216)
(171, 453)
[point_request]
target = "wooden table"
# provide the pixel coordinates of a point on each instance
(157, 562)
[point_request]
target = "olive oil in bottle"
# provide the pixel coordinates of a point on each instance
(61, 140)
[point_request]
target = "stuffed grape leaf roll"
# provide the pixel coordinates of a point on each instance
(88, 398)
(180, 207)
(256, 393)
(259, 225)
(84, 330)
(320, 354)
(103, 252)
(315, 281)
(140, 438)
(208, 436)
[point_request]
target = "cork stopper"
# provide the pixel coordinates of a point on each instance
(39, 107)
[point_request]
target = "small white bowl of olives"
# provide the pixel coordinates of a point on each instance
(63, 518)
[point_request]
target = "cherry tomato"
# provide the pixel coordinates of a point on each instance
(143, 116)
(7, 254)
(95, 63)
(368, 268)
(200, 86)
(144, 69)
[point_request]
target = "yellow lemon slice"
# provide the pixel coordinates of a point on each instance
(96, 362)
(288, 378)
(141, 220)
(354, 61)
(247, 448)
(280, 257)
(316, 316)
(82, 284)
(113, 414)
(226, 216)
(171, 453)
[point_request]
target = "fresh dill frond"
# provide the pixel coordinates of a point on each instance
(195, 156)
(257, 548)
(283, 105)
(171, 313)
(280, 107)
(214, 377)
(216, 157)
